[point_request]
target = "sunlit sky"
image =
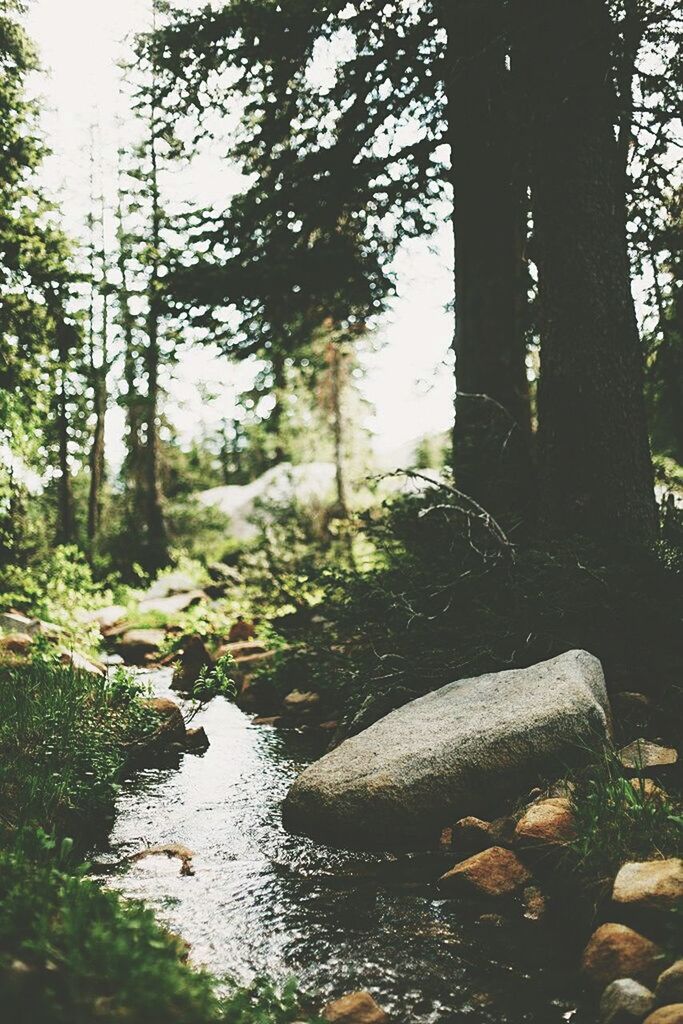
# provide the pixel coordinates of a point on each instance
(409, 380)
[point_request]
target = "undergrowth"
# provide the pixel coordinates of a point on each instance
(444, 595)
(63, 741)
(618, 819)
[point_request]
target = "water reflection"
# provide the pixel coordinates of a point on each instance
(263, 902)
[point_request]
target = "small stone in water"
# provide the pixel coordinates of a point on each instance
(355, 1008)
(625, 1001)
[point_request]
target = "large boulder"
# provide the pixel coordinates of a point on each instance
(458, 751)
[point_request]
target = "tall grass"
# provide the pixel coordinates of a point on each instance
(63, 741)
(619, 819)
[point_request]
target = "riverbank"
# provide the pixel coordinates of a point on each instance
(71, 952)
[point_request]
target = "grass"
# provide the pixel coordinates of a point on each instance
(618, 820)
(63, 741)
(71, 953)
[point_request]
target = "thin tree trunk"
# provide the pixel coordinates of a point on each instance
(492, 432)
(335, 359)
(99, 384)
(134, 483)
(157, 539)
(595, 471)
(65, 503)
(275, 422)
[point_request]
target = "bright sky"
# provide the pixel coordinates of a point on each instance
(409, 381)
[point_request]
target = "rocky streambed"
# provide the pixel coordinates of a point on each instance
(256, 900)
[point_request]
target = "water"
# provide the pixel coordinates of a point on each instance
(264, 902)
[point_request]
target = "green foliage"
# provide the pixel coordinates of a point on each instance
(438, 596)
(85, 954)
(57, 588)
(88, 953)
(216, 682)
(63, 740)
(618, 820)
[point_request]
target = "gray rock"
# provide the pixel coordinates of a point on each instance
(171, 605)
(625, 1001)
(455, 752)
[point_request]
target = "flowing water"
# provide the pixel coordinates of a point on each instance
(262, 902)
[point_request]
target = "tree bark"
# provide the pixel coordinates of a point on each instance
(492, 432)
(156, 553)
(595, 473)
(336, 372)
(97, 455)
(66, 521)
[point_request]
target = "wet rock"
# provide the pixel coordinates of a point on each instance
(259, 696)
(301, 703)
(546, 823)
(472, 834)
(196, 740)
(16, 643)
(355, 1008)
(171, 722)
(625, 1001)
(191, 660)
(399, 780)
(446, 839)
(646, 758)
(494, 872)
(649, 886)
(672, 1014)
(134, 644)
(273, 720)
(171, 850)
(616, 951)
(330, 726)
(535, 906)
(670, 984)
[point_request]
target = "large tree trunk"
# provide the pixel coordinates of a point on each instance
(492, 432)
(595, 474)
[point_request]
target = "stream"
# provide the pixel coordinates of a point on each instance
(262, 902)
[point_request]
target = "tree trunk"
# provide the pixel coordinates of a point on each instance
(275, 420)
(156, 556)
(97, 455)
(492, 432)
(65, 502)
(336, 372)
(595, 473)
